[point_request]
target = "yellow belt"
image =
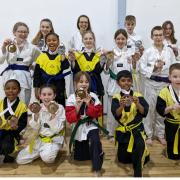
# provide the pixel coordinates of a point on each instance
(176, 139)
(129, 128)
(46, 139)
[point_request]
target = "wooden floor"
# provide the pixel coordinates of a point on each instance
(159, 166)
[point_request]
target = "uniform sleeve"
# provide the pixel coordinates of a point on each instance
(37, 76)
(114, 107)
(144, 67)
(22, 122)
(144, 103)
(57, 124)
(94, 111)
(161, 106)
(65, 64)
(36, 52)
(3, 56)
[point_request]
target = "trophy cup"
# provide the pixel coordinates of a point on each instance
(110, 55)
(81, 93)
(41, 43)
(11, 47)
(35, 107)
(128, 100)
(13, 121)
(61, 49)
(53, 107)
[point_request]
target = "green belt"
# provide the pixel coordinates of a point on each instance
(112, 75)
(82, 121)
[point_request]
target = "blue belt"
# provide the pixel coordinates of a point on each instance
(160, 79)
(16, 67)
(48, 78)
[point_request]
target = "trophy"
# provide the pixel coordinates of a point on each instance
(41, 43)
(13, 121)
(35, 107)
(11, 47)
(110, 55)
(128, 100)
(53, 107)
(61, 49)
(81, 93)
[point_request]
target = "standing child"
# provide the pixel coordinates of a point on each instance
(13, 119)
(129, 108)
(168, 106)
(118, 62)
(46, 27)
(49, 68)
(169, 38)
(19, 55)
(82, 109)
(91, 62)
(154, 66)
(135, 49)
(51, 130)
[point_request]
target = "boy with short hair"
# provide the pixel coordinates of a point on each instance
(129, 108)
(168, 106)
(154, 66)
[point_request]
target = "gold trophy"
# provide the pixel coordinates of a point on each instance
(110, 55)
(35, 107)
(81, 93)
(53, 107)
(13, 121)
(11, 47)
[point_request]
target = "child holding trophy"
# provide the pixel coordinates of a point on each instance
(48, 119)
(19, 54)
(91, 61)
(82, 109)
(115, 63)
(49, 68)
(129, 108)
(13, 119)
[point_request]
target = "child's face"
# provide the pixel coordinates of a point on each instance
(157, 37)
(168, 30)
(45, 28)
(46, 95)
(83, 24)
(88, 41)
(52, 42)
(125, 83)
(174, 77)
(120, 41)
(21, 33)
(130, 26)
(11, 90)
(83, 83)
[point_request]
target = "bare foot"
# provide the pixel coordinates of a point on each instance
(97, 173)
(162, 141)
(149, 142)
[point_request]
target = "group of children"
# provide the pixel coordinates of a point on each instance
(133, 72)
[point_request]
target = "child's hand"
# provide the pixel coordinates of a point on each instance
(6, 43)
(123, 101)
(135, 100)
(79, 101)
(13, 122)
(176, 107)
(87, 99)
(71, 55)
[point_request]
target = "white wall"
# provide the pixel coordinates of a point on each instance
(150, 13)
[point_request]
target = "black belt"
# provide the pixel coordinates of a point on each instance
(160, 79)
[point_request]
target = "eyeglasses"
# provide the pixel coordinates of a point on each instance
(22, 32)
(83, 22)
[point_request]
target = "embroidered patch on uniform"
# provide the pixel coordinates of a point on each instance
(128, 46)
(120, 65)
(19, 59)
(148, 64)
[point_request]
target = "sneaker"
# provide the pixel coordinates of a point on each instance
(162, 141)
(149, 142)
